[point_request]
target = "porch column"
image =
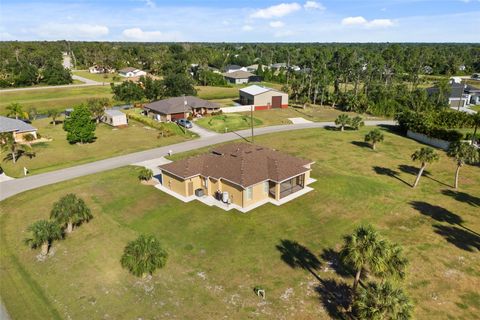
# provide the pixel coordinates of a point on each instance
(277, 191)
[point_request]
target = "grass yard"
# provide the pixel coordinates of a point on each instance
(227, 93)
(97, 77)
(228, 122)
(476, 108)
(217, 257)
(110, 142)
(56, 98)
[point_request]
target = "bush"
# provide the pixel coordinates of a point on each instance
(29, 137)
(145, 174)
(165, 132)
(217, 113)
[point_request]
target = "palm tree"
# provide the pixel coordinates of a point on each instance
(145, 174)
(382, 301)
(342, 121)
(356, 122)
(43, 232)
(54, 114)
(8, 144)
(476, 124)
(143, 255)
(70, 211)
(375, 136)
(462, 153)
(15, 109)
(425, 155)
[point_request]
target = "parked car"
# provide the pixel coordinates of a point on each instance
(185, 123)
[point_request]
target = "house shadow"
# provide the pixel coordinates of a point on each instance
(336, 298)
(461, 238)
(334, 261)
(389, 173)
(462, 197)
(414, 171)
(298, 256)
(361, 144)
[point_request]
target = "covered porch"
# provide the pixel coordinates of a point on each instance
(285, 188)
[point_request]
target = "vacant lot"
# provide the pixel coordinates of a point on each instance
(110, 142)
(53, 98)
(216, 258)
(228, 122)
(106, 77)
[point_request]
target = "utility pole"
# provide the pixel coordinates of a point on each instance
(251, 119)
(184, 113)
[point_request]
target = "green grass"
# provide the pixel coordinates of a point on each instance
(217, 257)
(476, 108)
(56, 98)
(58, 153)
(228, 122)
(231, 92)
(96, 76)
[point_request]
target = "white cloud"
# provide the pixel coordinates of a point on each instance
(71, 31)
(247, 28)
(150, 3)
(137, 34)
(361, 21)
(276, 24)
(313, 5)
(276, 11)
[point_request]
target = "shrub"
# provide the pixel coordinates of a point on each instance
(164, 131)
(145, 174)
(29, 137)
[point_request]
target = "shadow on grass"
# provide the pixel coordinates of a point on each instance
(300, 110)
(393, 129)
(298, 256)
(335, 297)
(390, 173)
(332, 258)
(361, 144)
(19, 155)
(462, 239)
(463, 197)
(414, 171)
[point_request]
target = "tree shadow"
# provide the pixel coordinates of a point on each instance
(335, 297)
(462, 239)
(462, 197)
(414, 171)
(332, 258)
(332, 128)
(390, 173)
(361, 144)
(19, 155)
(298, 256)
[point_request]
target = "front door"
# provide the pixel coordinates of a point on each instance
(277, 102)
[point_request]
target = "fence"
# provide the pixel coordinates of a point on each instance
(236, 109)
(442, 144)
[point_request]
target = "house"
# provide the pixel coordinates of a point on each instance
(18, 128)
(263, 98)
(131, 72)
(241, 77)
(461, 95)
(238, 175)
(115, 118)
(100, 69)
(278, 66)
(179, 107)
(233, 68)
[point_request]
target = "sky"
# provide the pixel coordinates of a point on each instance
(241, 20)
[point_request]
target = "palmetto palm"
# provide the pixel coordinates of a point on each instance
(356, 122)
(424, 155)
(342, 121)
(70, 211)
(8, 144)
(15, 109)
(54, 114)
(382, 301)
(463, 153)
(43, 232)
(143, 256)
(375, 136)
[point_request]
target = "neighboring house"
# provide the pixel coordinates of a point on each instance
(241, 175)
(18, 128)
(99, 69)
(263, 98)
(131, 72)
(461, 95)
(462, 68)
(278, 66)
(252, 68)
(179, 107)
(233, 68)
(241, 77)
(115, 118)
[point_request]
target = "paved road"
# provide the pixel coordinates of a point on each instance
(13, 187)
(87, 82)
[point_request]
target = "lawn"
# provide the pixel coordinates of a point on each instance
(110, 142)
(228, 122)
(98, 77)
(56, 98)
(217, 257)
(221, 93)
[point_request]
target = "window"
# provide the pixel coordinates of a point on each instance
(249, 193)
(265, 187)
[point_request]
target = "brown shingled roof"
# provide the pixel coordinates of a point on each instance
(177, 105)
(241, 163)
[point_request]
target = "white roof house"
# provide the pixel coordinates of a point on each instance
(131, 72)
(255, 89)
(115, 118)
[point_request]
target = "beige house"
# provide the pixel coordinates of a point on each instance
(263, 98)
(18, 128)
(239, 175)
(172, 109)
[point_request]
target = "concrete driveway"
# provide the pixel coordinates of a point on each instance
(202, 132)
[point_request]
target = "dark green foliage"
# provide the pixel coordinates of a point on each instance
(70, 211)
(80, 127)
(209, 78)
(56, 74)
(43, 232)
(153, 89)
(143, 256)
(145, 174)
(178, 84)
(128, 91)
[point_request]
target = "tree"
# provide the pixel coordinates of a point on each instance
(56, 74)
(178, 84)
(43, 233)
(375, 136)
(342, 121)
(8, 144)
(153, 89)
(145, 174)
(15, 110)
(424, 155)
(382, 302)
(32, 113)
(356, 122)
(462, 153)
(97, 107)
(80, 127)
(54, 114)
(476, 124)
(143, 256)
(70, 211)
(127, 91)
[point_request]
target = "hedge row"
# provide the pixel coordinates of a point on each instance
(165, 132)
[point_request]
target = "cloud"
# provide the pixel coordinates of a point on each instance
(137, 34)
(361, 21)
(313, 5)
(247, 28)
(276, 24)
(71, 31)
(276, 11)
(150, 3)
